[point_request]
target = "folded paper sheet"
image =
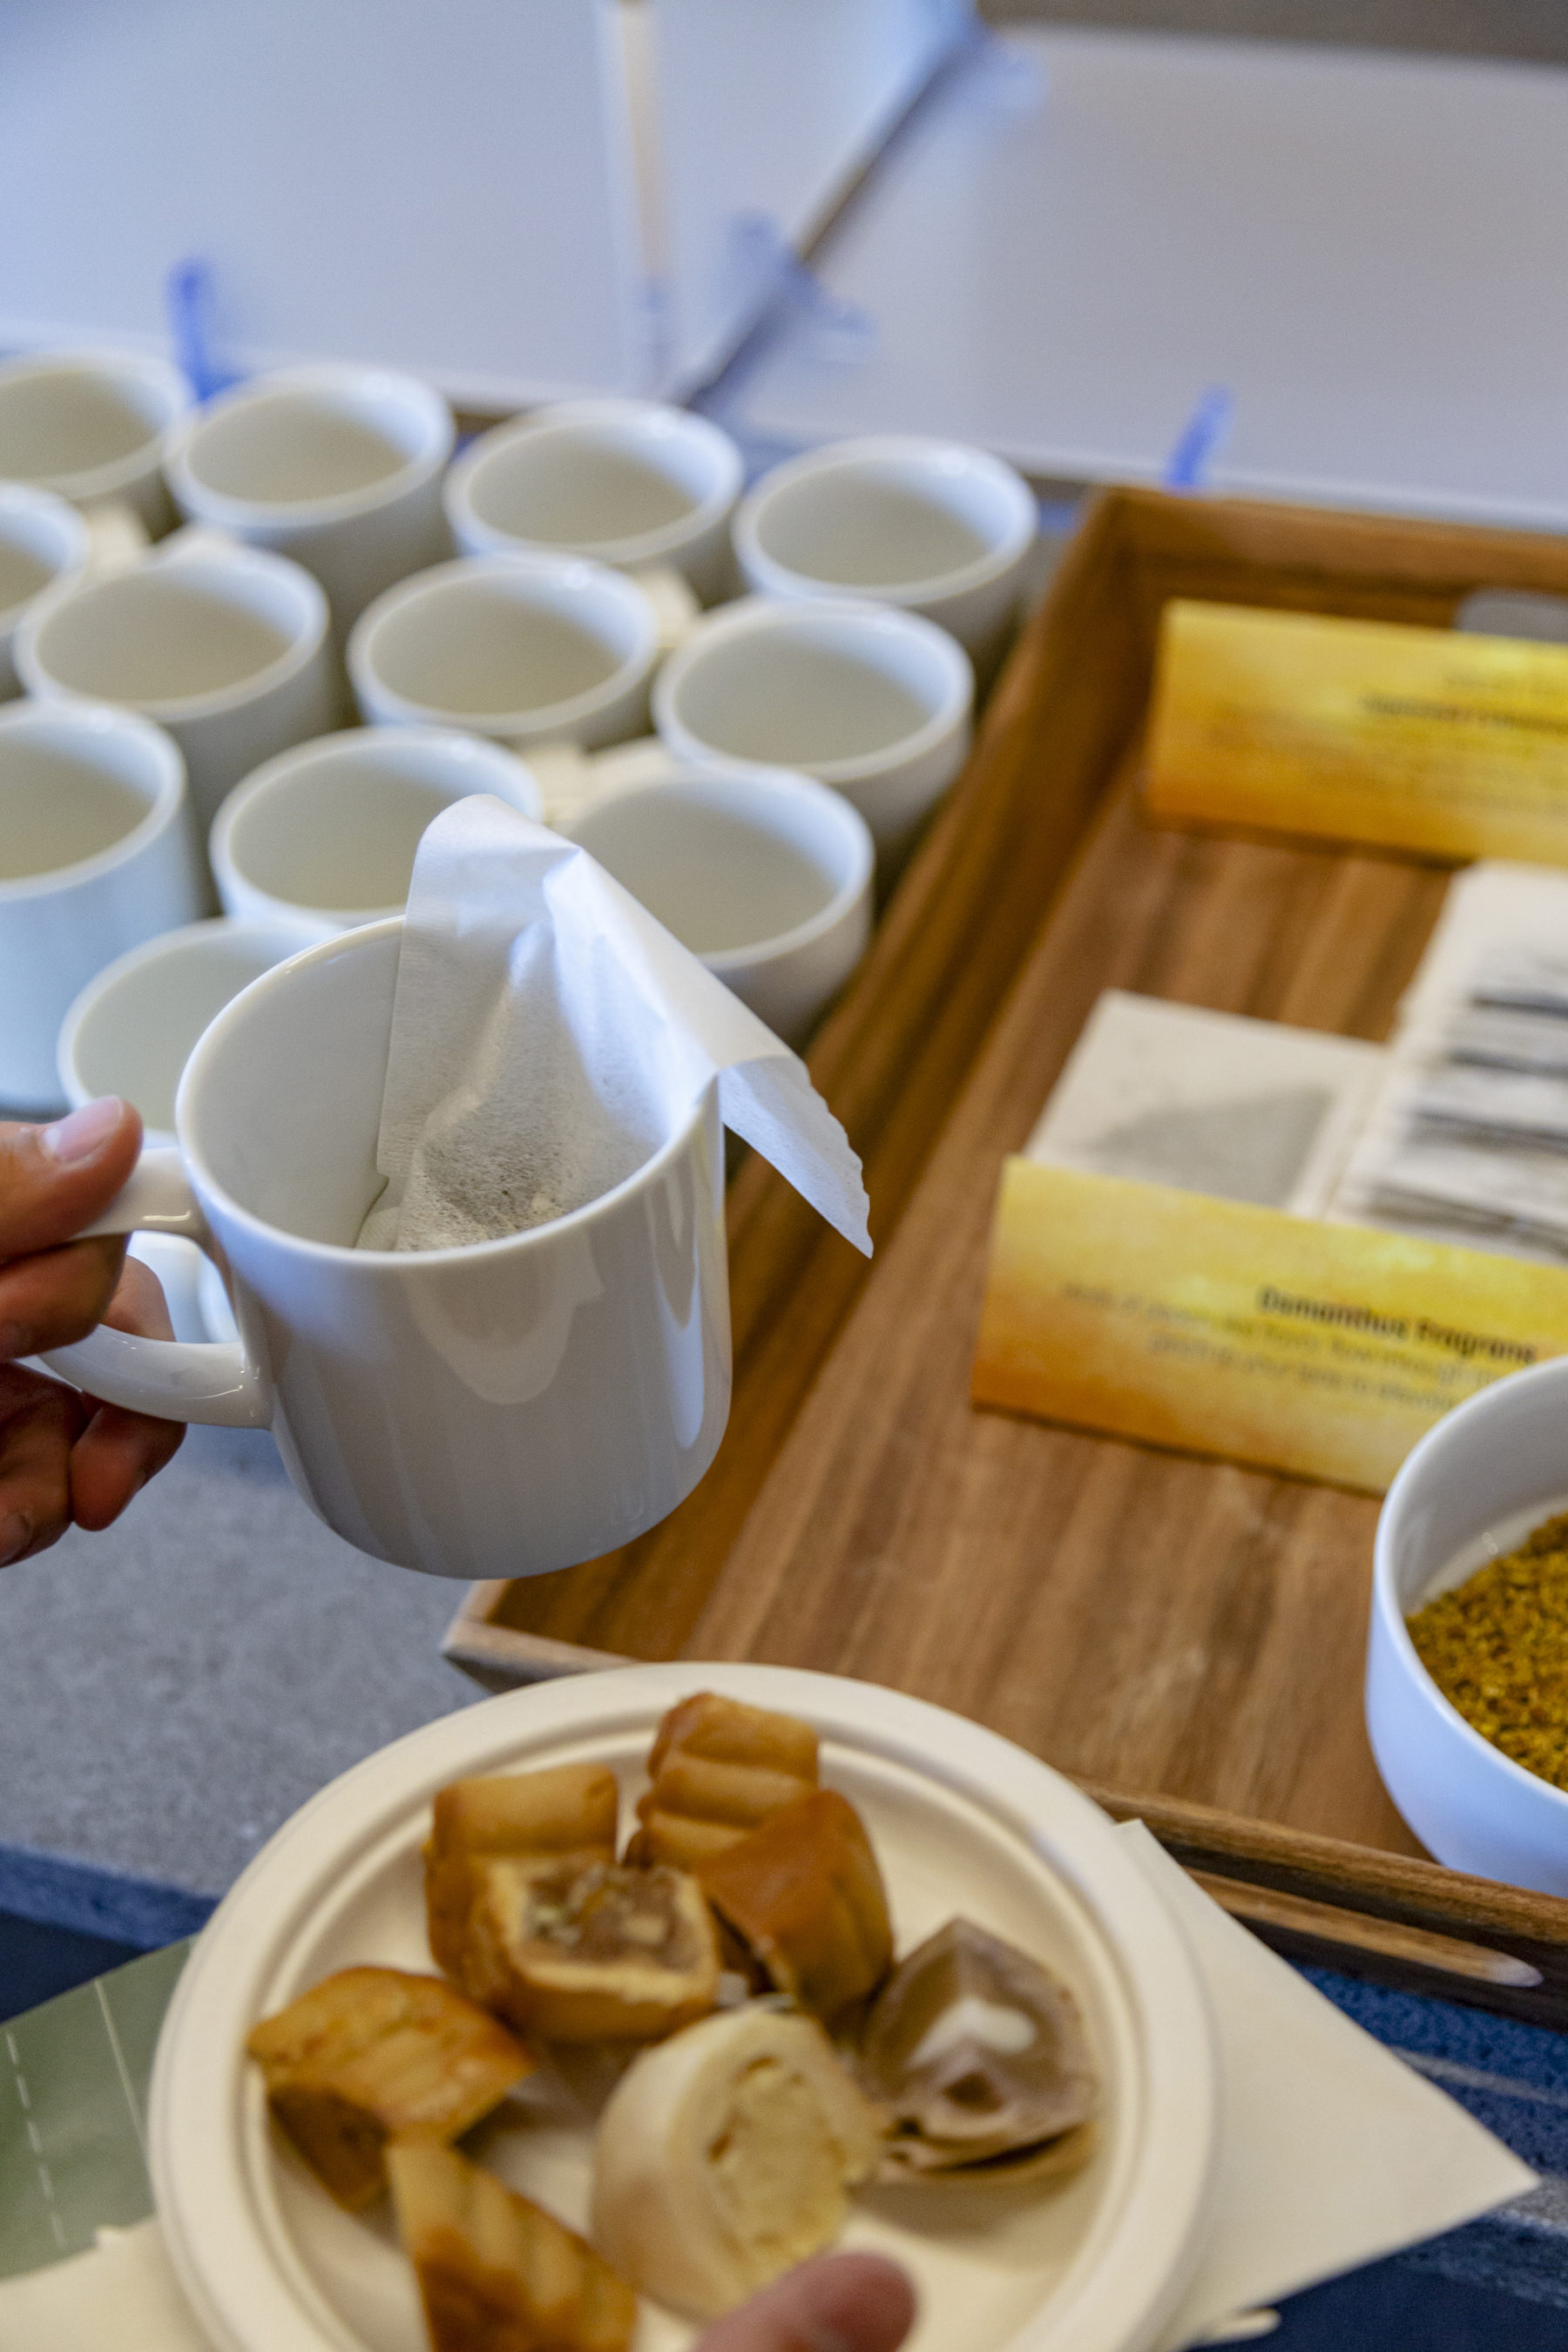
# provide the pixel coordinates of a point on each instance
(549, 1037)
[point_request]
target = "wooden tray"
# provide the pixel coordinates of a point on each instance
(1144, 1621)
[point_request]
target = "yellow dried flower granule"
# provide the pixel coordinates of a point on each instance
(1497, 1648)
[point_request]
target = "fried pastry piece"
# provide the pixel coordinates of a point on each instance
(979, 2059)
(719, 1768)
(594, 1951)
(724, 2157)
(569, 1810)
(495, 2272)
(371, 2052)
(804, 1894)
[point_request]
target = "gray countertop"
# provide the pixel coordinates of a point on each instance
(173, 1689)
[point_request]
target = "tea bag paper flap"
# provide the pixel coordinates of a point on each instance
(548, 1034)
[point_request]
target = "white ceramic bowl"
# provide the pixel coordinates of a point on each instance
(325, 836)
(1472, 1489)
(961, 1820)
(765, 875)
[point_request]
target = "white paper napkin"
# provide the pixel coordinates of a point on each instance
(548, 1034)
(1332, 2151)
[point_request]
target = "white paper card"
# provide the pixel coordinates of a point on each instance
(548, 1035)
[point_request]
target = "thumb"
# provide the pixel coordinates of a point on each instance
(836, 2303)
(55, 1179)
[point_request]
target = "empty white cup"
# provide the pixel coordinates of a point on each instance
(131, 1030)
(338, 466)
(931, 527)
(324, 837)
(91, 425)
(874, 702)
(227, 649)
(765, 875)
(96, 854)
(43, 545)
(628, 482)
(523, 648)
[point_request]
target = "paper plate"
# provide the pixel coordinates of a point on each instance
(961, 1822)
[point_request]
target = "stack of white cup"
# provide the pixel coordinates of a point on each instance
(543, 598)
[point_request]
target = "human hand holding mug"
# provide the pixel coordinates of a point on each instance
(64, 1456)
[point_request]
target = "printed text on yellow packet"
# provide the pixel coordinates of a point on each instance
(1222, 1328)
(1361, 730)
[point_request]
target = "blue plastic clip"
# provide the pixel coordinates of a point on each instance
(1199, 441)
(188, 299)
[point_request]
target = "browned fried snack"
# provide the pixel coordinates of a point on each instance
(978, 2058)
(569, 1810)
(804, 1893)
(498, 2274)
(595, 1951)
(371, 2052)
(719, 1768)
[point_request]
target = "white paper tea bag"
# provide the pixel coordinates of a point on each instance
(548, 1035)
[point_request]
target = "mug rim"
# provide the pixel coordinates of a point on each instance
(200, 500)
(768, 616)
(507, 727)
(163, 810)
(157, 949)
(32, 496)
(344, 746)
(1386, 1600)
(216, 701)
(340, 1253)
(90, 482)
(774, 577)
(789, 784)
(665, 542)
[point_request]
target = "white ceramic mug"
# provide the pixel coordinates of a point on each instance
(132, 1028)
(874, 702)
(338, 466)
(523, 648)
(225, 647)
(931, 527)
(629, 482)
(324, 837)
(96, 854)
(91, 425)
(44, 545)
(1480, 1481)
(501, 1409)
(765, 875)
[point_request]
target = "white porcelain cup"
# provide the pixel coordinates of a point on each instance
(501, 1409)
(931, 527)
(132, 1028)
(338, 467)
(225, 647)
(324, 837)
(874, 702)
(96, 854)
(765, 875)
(523, 648)
(91, 425)
(629, 482)
(44, 545)
(1474, 1487)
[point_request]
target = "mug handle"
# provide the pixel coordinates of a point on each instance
(174, 1379)
(675, 609)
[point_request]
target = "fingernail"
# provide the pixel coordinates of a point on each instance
(87, 1131)
(15, 1535)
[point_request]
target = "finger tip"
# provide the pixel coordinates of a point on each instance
(858, 2302)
